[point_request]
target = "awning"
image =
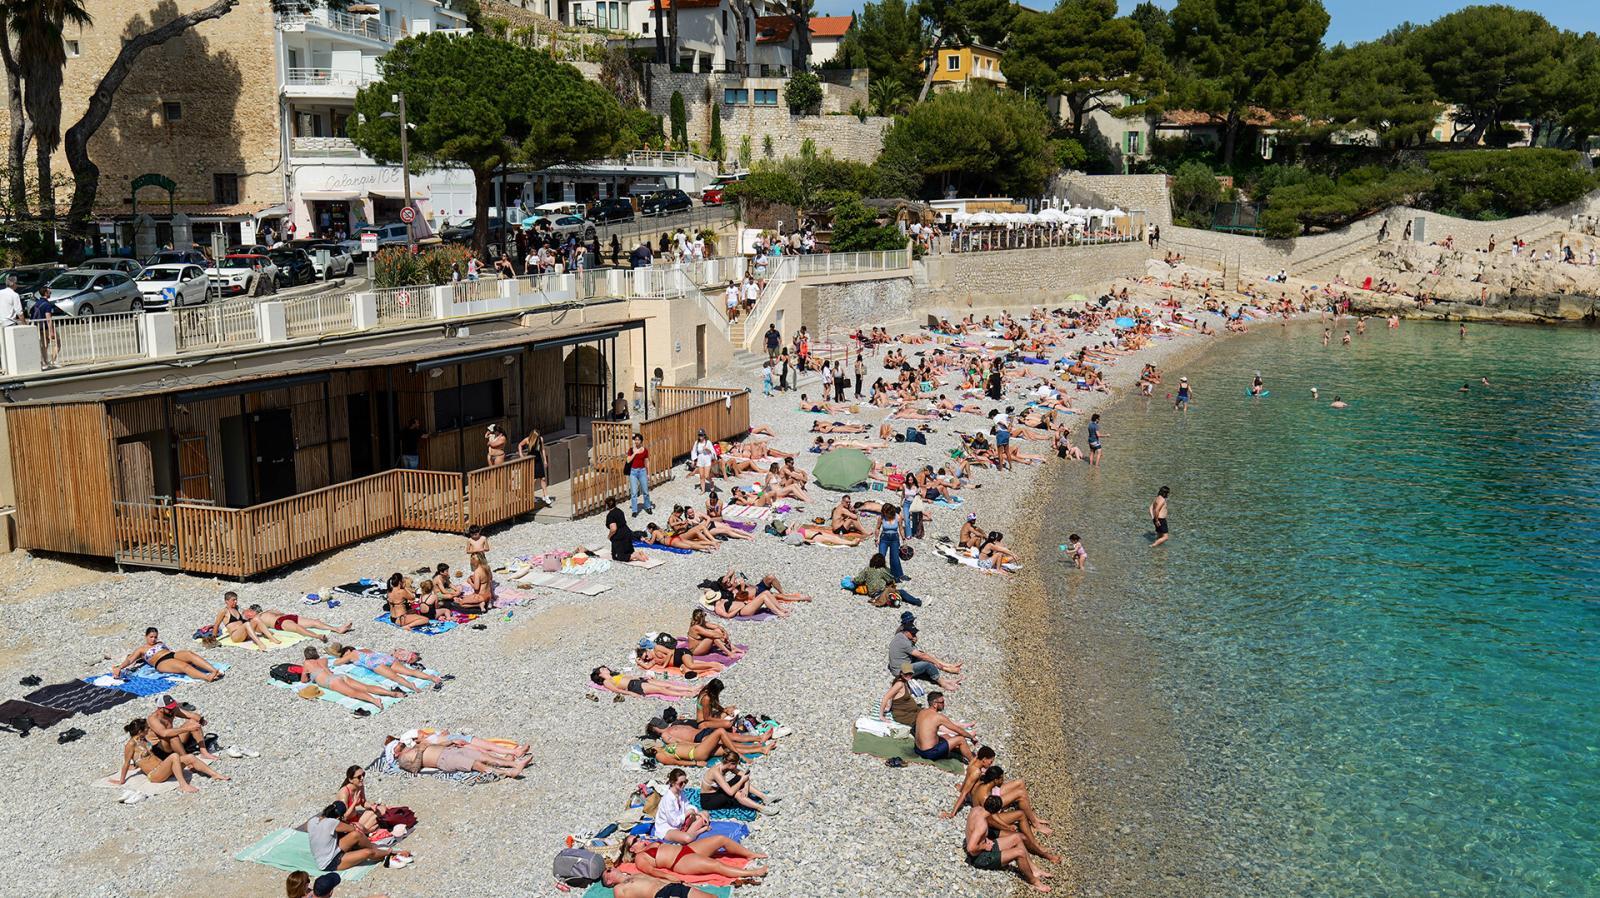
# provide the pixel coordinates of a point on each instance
(418, 192)
(329, 195)
(277, 211)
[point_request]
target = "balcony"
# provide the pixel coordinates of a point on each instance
(319, 83)
(340, 148)
(361, 26)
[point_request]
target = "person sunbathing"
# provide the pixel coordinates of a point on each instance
(931, 722)
(807, 405)
(794, 475)
(906, 412)
(675, 861)
(1013, 792)
(818, 535)
(711, 523)
(316, 670)
(724, 787)
(992, 553)
(705, 638)
(845, 521)
(165, 660)
(837, 427)
(477, 591)
(638, 885)
(173, 730)
(716, 739)
(900, 703)
(232, 624)
(504, 751)
(709, 706)
(384, 665)
(670, 659)
(1018, 804)
(452, 758)
(294, 623)
(971, 536)
(695, 542)
(622, 684)
(731, 604)
(404, 605)
(138, 752)
(777, 487)
(769, 583)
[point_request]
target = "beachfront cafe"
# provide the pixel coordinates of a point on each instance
(249, 464)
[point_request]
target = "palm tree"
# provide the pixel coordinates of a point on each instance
(39, 27)
(887, 96)
(799, 12)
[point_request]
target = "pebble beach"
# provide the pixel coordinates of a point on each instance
(848, 825)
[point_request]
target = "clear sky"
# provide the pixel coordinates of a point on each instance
(1359, 20)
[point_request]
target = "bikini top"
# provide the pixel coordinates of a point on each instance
(153, 650)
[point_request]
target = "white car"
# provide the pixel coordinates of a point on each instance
(236, 275)
(165, 286)
(340, 262)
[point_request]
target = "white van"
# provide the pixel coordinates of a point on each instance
(556, 210)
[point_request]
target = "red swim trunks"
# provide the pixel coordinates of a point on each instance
(285, 619)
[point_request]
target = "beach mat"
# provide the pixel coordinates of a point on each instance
(290, 850)
(138, 782)
(741, 814)
(565, 583)
(285, 639)
(904, 749)
(599, 891)
(432, 628)
(385, 765)
(726, 661)
(656, 547)
(19, 716)
(78, 697)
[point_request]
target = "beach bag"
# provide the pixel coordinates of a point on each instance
(406, 656)
(550, 563)
(578, 866)
(285, 672)
(906, 552)
(897, 481)
(398, 816)
(914, 435)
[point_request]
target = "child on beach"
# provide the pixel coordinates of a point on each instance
(1080, 556)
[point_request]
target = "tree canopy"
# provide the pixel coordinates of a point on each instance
(481, 102)
(980, 141)
(1084, 52)
(1491, 62)
(1376, 85)
(887, 40)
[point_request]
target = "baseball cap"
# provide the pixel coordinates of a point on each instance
(325, 884)
(906, 618)
(972, 516)
(167, 702)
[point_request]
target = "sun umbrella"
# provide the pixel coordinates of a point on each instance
(842, 470)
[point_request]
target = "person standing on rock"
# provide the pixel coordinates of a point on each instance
(1158, 516)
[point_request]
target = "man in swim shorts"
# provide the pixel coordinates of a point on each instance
(929, 744)
(638, 885)
(1158, 515)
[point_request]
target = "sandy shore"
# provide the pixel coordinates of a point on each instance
(849, 825)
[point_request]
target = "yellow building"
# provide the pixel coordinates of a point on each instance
(959, 66)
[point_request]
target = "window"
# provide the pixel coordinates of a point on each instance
(73, 50)
(472, 403)
(644, 27)
(1133, 143)
(735, 96)
(767, 97)
(953, 62)
(225, 188)
(172, 112)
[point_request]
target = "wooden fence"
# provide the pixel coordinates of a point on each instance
(722, 414)
(144, 534)
(500, 492)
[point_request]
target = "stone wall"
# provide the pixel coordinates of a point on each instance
(846, 136)
(1131, 192)
(1025, 276)
(847, 306)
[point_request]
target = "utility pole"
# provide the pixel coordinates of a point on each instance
(405, 169)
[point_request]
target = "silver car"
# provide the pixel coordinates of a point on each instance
(165, 286)
(129, 267)
(85, 291)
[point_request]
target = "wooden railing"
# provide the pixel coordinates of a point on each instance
(431, 500)
(610, 439)
(725, 414)
(676, 399)
(592, 485)
(144, 534)
(500, 492)
(211, 540)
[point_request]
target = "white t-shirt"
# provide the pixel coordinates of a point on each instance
(10, 307)
(703, 454)
(732, 295)
(751, 291)
(670, 814)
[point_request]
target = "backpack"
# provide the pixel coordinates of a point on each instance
(914, 435)
(286, 672)
(578, 867)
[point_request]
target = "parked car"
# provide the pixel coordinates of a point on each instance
(31, 277)
(237, 274)
(85, 291)
(294, 267)
(563, 226)
(462, 233)
(249, 249)
(665, 202)
(173, 285)
(607, 211)
(129, 267)
(339, 262)
(178, 257)
(392, 234)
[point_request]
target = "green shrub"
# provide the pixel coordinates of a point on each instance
(856, 228)
(1502, 183)
(398, 267)
(803, 94)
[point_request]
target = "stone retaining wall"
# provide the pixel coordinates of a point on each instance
(1025, 276)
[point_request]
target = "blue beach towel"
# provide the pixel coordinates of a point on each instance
(660, 548)
(742, 814)
(433, 628)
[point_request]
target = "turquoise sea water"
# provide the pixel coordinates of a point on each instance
(1368, 661)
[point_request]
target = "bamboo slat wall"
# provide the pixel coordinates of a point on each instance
(145, 534)
(63, 476)
(610, 439)
(591, 486)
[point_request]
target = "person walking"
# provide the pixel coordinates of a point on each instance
(1094, 440)
(10, 303)
(1158, 516)
(861, 372)
(766, 378)
(703, 454)
(889, 540)
(783, 370)
(827, 382)
(774, 339)
(639, 476)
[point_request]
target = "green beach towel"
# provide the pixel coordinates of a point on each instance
(882, 747)
(290, 850)
(599, 891)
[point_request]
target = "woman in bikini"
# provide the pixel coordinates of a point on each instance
(660, 537)
(353, 792)
(453, 758)
(672, 861)
(712, 520)
(160, 656)
(477, 592)
(316, 670)
(672, 660)
(138, 752)
(731, 605)
(778, 487)
(676, 739)
(622, 684)
(232, 624)
(404, 604)
(709, 706)
(496, 440)
(384, 665)
(705, 637)
(724, 787)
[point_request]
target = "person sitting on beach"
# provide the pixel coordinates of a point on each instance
(316, 670)
(232, 624)
(675, 860)
(793, 474)
(877, 583)
(294, 623)
(992, 553)
(938, 737)
(704, 637)
(845, 521)
(140, 752)
(668, 659)
(780, 487)
(695, 542)
(987, 848)
(172, 730)
(443, 590)
(622, 684)
(676, 820)
(404, 605)
(454, 756)
(724, 787)
(477, 591)
(903, 650)
(900, 703)
(384, 665)
(359, 811)
(976, 787)
(165, 660)
(337, 845)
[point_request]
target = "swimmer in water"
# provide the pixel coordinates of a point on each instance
(1463, 328)
(1327, 335)
(1338, 403)
(1346, 340)
(1182, 401)
(1256, 387)
(1314, 394)
(1465, 388)
(1484, 381)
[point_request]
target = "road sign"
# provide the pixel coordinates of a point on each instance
(369, 243)
(408, 214)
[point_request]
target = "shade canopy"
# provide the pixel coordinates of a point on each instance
(842, 470)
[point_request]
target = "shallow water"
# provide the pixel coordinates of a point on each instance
(1365, 663)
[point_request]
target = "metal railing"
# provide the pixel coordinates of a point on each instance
(313, 316)
(89, 339)
(405, 303)
(470, 291)
(325, 147)
(851, 263)
(780, 271)
(320, 77)
(213, 326)
(336, 20)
